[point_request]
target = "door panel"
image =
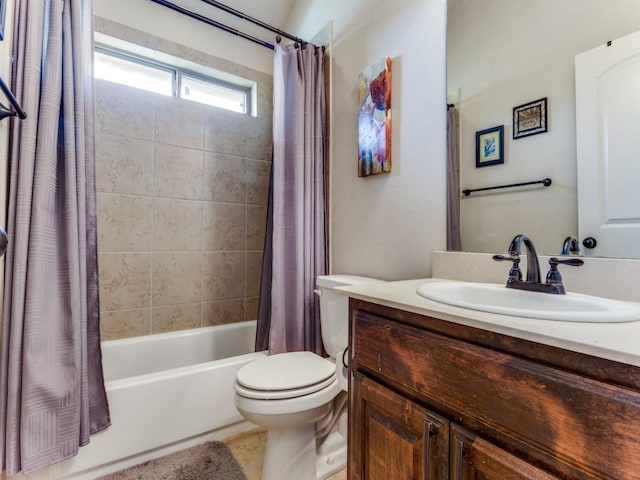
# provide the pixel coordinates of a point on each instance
(608, 146)
(475, 459)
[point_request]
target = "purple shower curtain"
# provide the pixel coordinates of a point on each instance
(453, 183)
(298, 252)
(52, 394)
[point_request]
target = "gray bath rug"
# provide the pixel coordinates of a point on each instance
(210, 461)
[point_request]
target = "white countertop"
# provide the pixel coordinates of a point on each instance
(614, 341)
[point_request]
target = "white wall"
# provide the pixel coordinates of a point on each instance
(386, 225)
(504, 53)
(165, 23)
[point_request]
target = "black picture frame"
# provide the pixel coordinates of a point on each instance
(490, 146)
(530, 118)
(3, 14)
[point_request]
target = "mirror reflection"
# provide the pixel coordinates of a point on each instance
(504, 54)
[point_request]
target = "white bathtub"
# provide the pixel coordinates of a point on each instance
(166, 392)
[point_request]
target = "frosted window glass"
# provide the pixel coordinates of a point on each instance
(214, 94)
(133, 74)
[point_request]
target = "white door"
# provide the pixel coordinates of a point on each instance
(608, 147)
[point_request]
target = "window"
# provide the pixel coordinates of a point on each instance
(123, 70)
(139, 72)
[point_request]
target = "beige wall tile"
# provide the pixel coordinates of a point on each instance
(125, 280)
(177, 278)
(173, 217)
(221, 313)
(256, 226)
(259, 133)
(226, 132)
(124, 111)
(251, 308)
(254, 270)
(176, 317)
(179, 122)
(177, 225)
(224, 178)
(223, 227)
(178, 172)
(125, 323)
(258, 174)
(124, 165)
(224, 275)
(124, 222)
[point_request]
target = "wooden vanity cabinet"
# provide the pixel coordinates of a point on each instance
(436, 400)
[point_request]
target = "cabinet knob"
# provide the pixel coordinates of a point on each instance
(590, 242)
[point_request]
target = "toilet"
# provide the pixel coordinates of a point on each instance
(301, 398)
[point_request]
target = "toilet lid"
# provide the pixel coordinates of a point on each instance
(283, 394)
(286, 371)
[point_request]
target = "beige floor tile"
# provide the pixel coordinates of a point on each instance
(248, 448)
(342, 475)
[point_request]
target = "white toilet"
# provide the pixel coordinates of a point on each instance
(301, 397)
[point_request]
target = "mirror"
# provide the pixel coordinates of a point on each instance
(502, 54)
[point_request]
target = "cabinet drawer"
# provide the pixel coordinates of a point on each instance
(575, 426)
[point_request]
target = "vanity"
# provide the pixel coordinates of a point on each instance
(442, 392)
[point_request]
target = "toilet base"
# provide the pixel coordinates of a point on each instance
(290, 453)
(331, 456)
(294, 453)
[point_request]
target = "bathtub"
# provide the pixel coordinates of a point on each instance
(166, 392)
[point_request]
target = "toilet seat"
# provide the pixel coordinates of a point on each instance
(283, 394)
(285, 375)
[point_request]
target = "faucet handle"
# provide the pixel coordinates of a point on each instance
(554, 278)
(573, 262)
(514, 273)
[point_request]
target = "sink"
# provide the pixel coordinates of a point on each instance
(493, 298)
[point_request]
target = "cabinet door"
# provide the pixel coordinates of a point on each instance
(475, 459)
(393, 438)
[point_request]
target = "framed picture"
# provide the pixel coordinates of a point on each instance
(374, 119)
(530, 119)
(3, 13)
(490, 146)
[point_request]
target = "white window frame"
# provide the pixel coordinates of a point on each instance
(177, 73)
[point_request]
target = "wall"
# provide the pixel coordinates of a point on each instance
(182, 195)
(386, 225)
(162, 22)
(504, 53)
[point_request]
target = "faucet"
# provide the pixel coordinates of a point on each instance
(553, 283)
(570, 245)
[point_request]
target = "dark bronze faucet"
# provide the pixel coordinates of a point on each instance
(553, 283)
(570, 245)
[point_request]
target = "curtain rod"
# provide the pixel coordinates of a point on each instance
(228, 29)
(213, 23)
(255, 21)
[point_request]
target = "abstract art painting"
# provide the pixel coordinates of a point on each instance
(374, 119)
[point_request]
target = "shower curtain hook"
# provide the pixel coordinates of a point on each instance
(278, 38)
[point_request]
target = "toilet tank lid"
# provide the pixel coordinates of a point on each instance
(343, 280)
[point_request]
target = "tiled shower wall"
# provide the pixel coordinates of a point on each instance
(182, 195)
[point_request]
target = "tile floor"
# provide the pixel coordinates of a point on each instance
(248, 449)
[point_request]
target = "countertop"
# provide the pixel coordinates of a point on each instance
(613, 341)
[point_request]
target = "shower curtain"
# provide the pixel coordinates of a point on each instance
(453, 183)
(52, 394)
(295, 253)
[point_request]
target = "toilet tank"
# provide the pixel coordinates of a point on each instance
(334, 309)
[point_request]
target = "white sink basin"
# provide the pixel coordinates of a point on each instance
(492, 298)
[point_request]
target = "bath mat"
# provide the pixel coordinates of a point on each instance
(210, 461)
